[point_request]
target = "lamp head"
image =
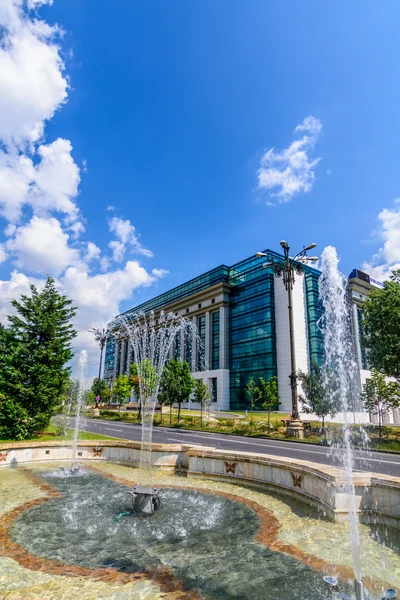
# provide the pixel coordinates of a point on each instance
(260, 254)
(283, 244)
(310, 247)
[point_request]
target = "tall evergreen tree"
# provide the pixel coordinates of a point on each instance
(39, 338)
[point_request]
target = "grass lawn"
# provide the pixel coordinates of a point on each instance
(51, 435)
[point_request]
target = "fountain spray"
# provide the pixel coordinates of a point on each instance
(81, 391)
(339, 372)
(151, 338)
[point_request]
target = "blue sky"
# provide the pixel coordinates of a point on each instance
(166, 111)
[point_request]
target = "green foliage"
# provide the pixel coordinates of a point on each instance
(100, 389)
(121, 389)
(176, 384)
(267, 392)
(34, 351)
(314, 398)
(201, 395)
(15, 421)
(379, 396)
(133, 373)
(252, 395)
(381, 327)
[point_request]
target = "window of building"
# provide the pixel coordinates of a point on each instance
(214, 389)
(212, 300)
(199, 306)
(187, 310)
(215, 340)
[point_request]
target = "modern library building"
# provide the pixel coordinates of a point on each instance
(241, 314)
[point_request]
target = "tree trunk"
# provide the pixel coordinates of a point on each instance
(140, 410)
(179, 411)
(269, 416)
(170, 415)
(201, 415)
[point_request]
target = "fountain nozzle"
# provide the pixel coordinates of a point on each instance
(359, 589)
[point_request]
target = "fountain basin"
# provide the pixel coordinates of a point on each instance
(217, 537)
(318, 485)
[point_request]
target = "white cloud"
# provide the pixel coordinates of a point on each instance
(118, 249)
(56, 179)
(388, 256)
(13, 288)
(126, 235)
(159, 273)
(3, 254)
(41, 246)
(284, 174)
(31, 74)
(39, 183)
(93, 252)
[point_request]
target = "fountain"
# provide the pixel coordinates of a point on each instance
(339, 372)
(151, 339)
(82, 362)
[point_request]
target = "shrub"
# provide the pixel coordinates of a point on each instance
(15, 422)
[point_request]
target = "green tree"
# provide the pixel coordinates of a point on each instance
(381, 327)
(103, 388)
(314, 398)
(143, 379)
(121, 389)
(253, 395)
(35, 375)
(15, 422)
(268, 395)
(176, 384)
(379, 396)
(201, 395)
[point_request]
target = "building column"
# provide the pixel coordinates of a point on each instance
(116, 352)
(356, 335)
(122, 361)
(129, 357)
(283, 362)
(194, 345)
(207, 341)
(182, 348)
(224, 337)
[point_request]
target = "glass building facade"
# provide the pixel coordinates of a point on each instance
(252, 328)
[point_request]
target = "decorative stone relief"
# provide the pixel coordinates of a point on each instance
(297, 480)
(230, 467)
(97, 451)
(3, 456)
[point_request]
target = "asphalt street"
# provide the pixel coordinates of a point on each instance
(377, 462)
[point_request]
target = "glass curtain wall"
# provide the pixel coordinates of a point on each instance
(252, 329)
(215, 340)
(314, 313)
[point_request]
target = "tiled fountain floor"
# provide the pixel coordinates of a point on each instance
(324, 545)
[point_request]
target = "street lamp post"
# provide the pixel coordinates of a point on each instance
(101, 336)
(287, 268)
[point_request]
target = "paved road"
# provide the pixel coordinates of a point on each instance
(365, 461)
